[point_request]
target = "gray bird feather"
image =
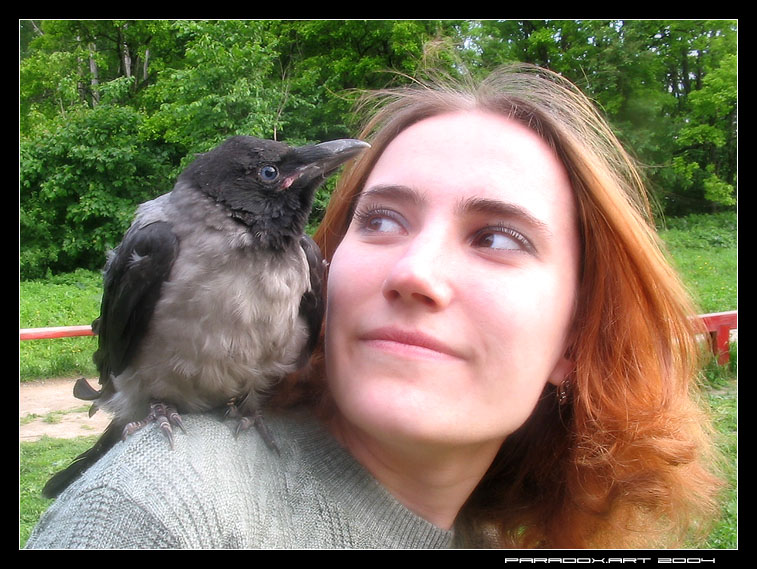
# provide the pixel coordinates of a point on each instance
(214, 293)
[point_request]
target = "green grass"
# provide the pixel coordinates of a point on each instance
(64, 300)
(703, 248)
(38, 461)
(53, 417)
(723, 402)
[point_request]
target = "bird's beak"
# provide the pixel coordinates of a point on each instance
(321, 160)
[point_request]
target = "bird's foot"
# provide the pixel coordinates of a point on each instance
(164, 415)
(245, 421)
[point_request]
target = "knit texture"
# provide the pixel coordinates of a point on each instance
(217, 491)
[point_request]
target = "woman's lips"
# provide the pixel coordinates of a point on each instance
(408, 342)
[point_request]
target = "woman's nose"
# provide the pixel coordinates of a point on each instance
(421, 274)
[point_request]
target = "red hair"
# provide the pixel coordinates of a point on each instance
(627, 461)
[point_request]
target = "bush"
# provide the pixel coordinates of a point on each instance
(79, 187)
(702, 231)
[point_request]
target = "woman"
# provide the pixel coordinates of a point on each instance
(616, 451)
(506, 351)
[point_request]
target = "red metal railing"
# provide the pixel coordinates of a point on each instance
(718, 324)
(56, 332)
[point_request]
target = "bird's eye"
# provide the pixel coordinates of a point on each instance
(268, 173)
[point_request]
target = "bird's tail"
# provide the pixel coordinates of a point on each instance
(83, 390)
(64, 478)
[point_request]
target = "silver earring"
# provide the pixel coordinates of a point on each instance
(563, 392)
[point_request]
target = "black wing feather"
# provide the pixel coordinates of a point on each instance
(132, 284)
(133, 279)
(312, 304)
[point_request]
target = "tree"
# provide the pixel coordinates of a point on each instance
(111, 110)
(221, 87)
(324, 65)
(104, 99)
(78, 186)
(668, 87)
(704, 161)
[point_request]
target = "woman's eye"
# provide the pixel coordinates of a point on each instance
(269, 173)
(501, 239)
(379, 221)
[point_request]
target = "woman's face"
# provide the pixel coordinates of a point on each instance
(451, 297)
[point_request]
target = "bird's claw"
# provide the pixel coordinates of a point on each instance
(246, 421)
(164, 416)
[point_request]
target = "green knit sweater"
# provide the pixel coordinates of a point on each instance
(217, 491)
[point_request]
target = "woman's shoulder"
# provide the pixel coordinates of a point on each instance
(209, 458)
(216, 489)
(207, 443)
(143, 493)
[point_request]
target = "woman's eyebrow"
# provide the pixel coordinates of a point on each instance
(395, 192)
(496, 208)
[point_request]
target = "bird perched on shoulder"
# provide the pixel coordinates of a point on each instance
(214, 293)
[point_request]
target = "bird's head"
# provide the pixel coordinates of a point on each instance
(266, 185)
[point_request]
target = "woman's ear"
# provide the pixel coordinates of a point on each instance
(562, 369)
(567, 364)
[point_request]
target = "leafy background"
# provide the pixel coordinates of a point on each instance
(111, 110)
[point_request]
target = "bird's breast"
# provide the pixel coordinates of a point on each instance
(228, 322)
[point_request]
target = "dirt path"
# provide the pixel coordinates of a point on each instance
(48, 407)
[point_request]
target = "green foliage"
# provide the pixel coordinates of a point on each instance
(668, 87)
(79, 185)
(110, 110)
(323, 62)
(220, 88)
(702, 231)
(707, 142)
